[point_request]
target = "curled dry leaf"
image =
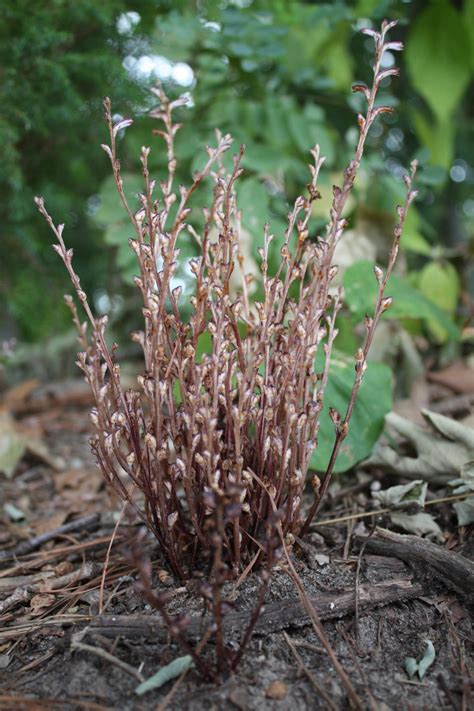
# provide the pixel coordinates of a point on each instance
(441, 450)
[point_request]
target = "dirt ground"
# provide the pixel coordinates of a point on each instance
(49, 595)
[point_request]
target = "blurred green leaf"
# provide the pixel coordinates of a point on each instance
(361, 293)
(439, 282)
(111, 210)
(373, 403)
(469, 24)
(436, 57)
(433, 175)
(412, 239)
(253, 200)
(438, 137)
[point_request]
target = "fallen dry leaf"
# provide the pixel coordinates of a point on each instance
(19, 394)
(447, 603)
(41, 602)
(50, 522)
(16, 440)
(12, 444)
(441, 451)
(85, 480)
(64, 567)
(458, 377)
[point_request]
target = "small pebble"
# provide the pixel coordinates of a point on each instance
(277, 690)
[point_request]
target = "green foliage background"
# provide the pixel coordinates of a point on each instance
(275, 74)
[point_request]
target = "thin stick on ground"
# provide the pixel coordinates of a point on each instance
(354, 699)
(357, 577)
(374, 706)
(103, 654)
(90, 522)
(302, 666)
(380, 512)
(109, 550)
(171, 694)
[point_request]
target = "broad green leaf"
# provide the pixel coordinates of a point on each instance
(111, 209)
(432, 175)
(253, 199)
(251, 118)
(263, 159)
(170, 671)
(338, 61)
(440, 283)
(413, 240)
(117, 235)
(306, 132)
(373, 403)
(203, 346)
(276, 127)
(469, 24)
(322, 206)
(438, 137)
(436, 53)
(361, 293)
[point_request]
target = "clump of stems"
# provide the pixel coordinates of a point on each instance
(213, 443)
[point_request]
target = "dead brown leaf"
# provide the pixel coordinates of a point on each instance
(63, 568)
(50, 522)
(18, 439)
(447, 603)
(85, 480)
(19, 394)
(458, 377)
(41, 602)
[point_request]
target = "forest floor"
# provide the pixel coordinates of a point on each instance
(56, 652)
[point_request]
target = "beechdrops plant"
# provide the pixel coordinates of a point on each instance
(212, 452)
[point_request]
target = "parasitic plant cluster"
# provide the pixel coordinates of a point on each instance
(208, 447)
